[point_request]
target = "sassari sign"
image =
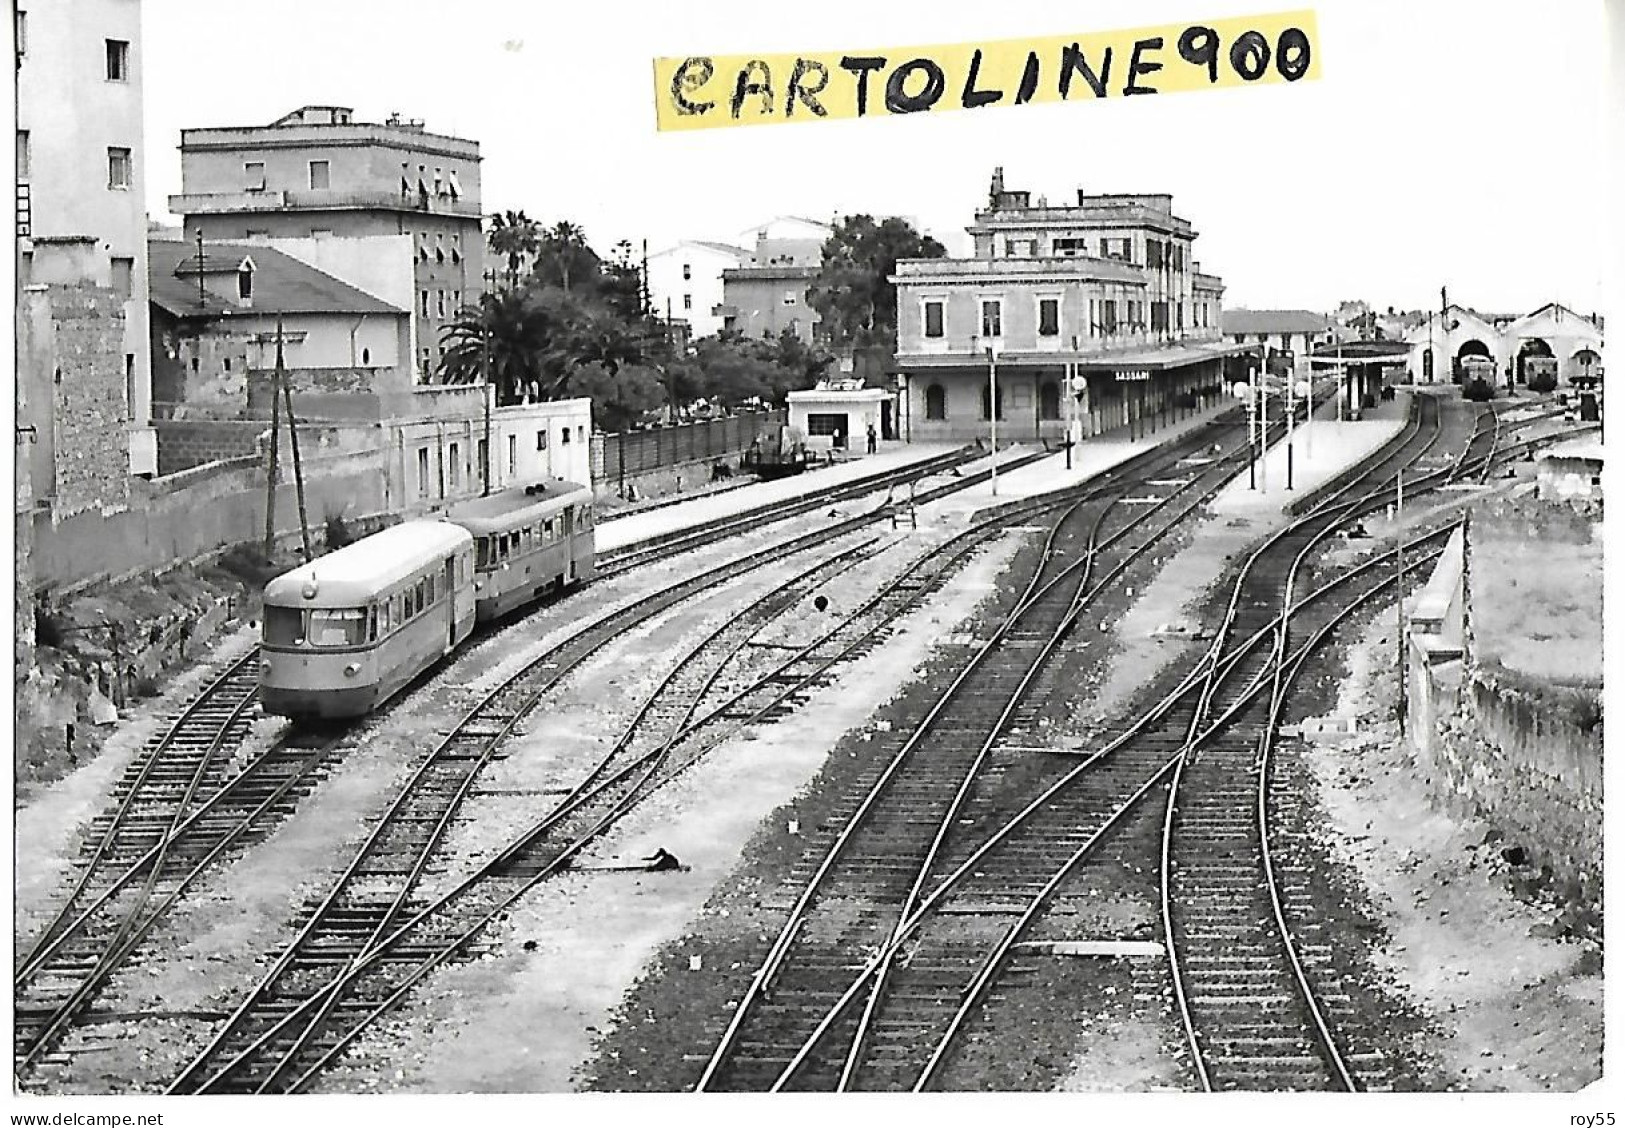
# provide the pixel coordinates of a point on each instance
(711, 91)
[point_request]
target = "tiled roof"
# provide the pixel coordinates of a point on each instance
(282, 284)
(1274, 321)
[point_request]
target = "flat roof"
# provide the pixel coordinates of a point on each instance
(356, 572)
(517, 504)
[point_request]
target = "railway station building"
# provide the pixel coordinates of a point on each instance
(1095, 312)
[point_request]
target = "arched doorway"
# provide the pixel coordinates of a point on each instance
(1472, 347)
(1534, 356)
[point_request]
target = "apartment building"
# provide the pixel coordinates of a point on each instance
(318, 173)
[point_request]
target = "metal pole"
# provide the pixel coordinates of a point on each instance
(1399, 604)
(1340, 378)
(1263, 434)
(485, 398)
(1252, 429)
(993, 418)
(1290, 410)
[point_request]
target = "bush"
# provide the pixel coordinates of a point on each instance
(1479, 391)
(247, 563)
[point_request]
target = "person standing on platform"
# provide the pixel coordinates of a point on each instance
(871, 437)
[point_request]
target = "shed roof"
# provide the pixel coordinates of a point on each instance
(1274, 321)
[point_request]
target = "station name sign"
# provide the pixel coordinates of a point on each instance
(713, 91)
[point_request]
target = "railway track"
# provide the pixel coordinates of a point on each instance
(380, 970)
(185, 803)
(854, 898)
(932, 977)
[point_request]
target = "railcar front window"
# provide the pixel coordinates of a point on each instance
(483, 558)
(284, 626)
(337, 628)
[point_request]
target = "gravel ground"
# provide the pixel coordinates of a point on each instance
(1512, 1011)
(553, 974)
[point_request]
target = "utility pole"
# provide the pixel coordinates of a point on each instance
(271, 474)
(293, 444)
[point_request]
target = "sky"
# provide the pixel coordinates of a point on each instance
(1446, 144)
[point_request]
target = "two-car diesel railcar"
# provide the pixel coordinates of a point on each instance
(529, 541)
(346, 632)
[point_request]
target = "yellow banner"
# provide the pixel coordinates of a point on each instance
(709, 91)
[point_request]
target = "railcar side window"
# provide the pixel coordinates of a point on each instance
(482, 548)
(337, 628)
(568, 520)
(548, 526)
(284, 626)
(372, 623)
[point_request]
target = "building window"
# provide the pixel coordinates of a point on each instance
(992, 319)
(564, 436)
(789, 297)
(1108, 316)
(688, 272)
(254, 176)
(439, 247)
(1117, 249)
(454, 471)
(541, 440)
(423, 471)
(1049, 317)
(936, 402)
(319, 174)
(118, 169)
(998, 401)
(22, 154)
(129, 386)
(440, 303)
(123, 276)
(425, 302)
(366, 357)
(118, 60)
(22, 33)
(456, 248)
(513, 455)
(1049, 400)
(321, 233)
(688, 301)
(245, 282)
(1071, 248)
(933, 319)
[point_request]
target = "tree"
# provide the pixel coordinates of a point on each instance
(856, 302)
(565, 256)
(516, 237)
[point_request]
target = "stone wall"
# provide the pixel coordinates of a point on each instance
(1521, 753)
(1513, 755)
(71, 354)
(185, 443)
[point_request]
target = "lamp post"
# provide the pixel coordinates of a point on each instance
(993, 415)
(1289, 426)
(1252, 426)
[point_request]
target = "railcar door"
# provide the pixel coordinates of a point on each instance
(451, 601)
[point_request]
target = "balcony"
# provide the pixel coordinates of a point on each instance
(320, 199)
(974, 270)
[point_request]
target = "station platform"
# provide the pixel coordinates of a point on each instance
(1321, 449)
(616, 532)
(1090, 458)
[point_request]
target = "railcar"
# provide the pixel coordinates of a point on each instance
(529, 541)
(344, 633)
(778, 451)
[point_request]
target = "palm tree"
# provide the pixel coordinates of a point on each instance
(567, 240)
(508, 330)
(516, 236)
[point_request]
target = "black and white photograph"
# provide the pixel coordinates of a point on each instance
(934, 548)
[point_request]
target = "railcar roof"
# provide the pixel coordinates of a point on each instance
(518, 505)
(356, 572)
